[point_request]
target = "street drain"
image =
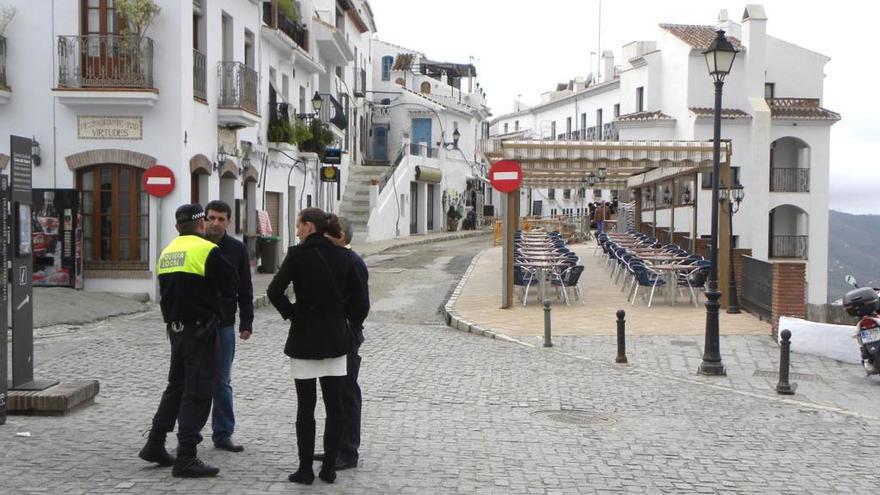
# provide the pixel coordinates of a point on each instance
(574, 417)
(804, 377)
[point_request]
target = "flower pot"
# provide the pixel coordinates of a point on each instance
(451, 224)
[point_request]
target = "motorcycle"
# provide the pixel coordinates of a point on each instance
(864, 302)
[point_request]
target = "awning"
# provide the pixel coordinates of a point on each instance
(563, 164)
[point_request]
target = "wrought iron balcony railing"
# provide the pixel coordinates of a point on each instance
(294, 30)
(200, 75)
(333, 111)
(105, 61)
(789, 179)
(789, 246)
(3, 83)
(610, 132)
(415, 149)
(239, 87)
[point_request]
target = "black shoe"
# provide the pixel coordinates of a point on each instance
(155, 452)
(319, 457)
(342, 463)
(302, 476)
(328, 474)
(226, 444)
(193, 468)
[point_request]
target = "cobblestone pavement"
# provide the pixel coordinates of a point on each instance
(450, 412)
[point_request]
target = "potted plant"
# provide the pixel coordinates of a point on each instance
(279, 132)
(137, 15)
(453, 215)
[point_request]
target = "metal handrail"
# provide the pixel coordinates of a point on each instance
(239, 87)
(200, 75)
(789, 246)
(294, 30)
(789, 179)
(105, 61)
(383, 181)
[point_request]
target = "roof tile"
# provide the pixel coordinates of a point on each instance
(697, 36)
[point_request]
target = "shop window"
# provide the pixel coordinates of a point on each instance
(116, 222)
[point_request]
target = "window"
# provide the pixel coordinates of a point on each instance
(566, 194)
(597, 193)
(302, 99)
(505, 128)
(551, 193)
(386, 101)
(515, 125)
(769, 90)
(599, 124)
(249, 59)
(387, 62)
(568, 128)
(553, 130)
(98, 17)
(616, 110)
(116, 222)
(640, 99)
(285, 87)
(707, 178)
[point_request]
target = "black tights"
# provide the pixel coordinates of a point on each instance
(306, 399)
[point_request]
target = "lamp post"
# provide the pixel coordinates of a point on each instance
(734, 197)
(719, 59)
(317, 102)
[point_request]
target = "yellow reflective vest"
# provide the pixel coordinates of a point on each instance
(187, 254)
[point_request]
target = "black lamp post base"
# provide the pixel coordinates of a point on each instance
(714, 369)
(733, 309)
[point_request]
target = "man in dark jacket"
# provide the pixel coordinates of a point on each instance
(197, 286)
(351, 391)
(217, 215)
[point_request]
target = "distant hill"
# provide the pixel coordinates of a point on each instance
(853, 247)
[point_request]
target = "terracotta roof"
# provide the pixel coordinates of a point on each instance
(800, 108)
(697, 36)
(643, 116)
(403, 61)
(726, 113)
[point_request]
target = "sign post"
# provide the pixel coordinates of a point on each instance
(22, 269)
(158, 181)
(506, 177)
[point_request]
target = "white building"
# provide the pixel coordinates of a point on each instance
(773, 115)
(105, 106)
(427, 118)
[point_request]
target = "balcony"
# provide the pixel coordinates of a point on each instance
(333, 111)
(789, 179)
(332, 43)
(238, 95)
(360, 83)
(105, 70)
(200, 76)
(283, 31)
(5, 92)
(610, 132)
(789, 246)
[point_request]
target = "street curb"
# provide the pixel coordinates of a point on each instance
(454, 320)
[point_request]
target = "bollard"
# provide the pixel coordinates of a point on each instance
(783, 387)
(621, 337)
(547, 342)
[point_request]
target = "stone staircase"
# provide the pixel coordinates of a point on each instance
(355, 204)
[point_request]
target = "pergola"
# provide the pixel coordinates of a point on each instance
(632, 165)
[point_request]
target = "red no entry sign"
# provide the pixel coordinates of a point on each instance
(505, 175)
(158, 181)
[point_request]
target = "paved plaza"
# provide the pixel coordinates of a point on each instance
(447, 411)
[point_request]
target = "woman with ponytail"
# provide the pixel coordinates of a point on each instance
(328, 296)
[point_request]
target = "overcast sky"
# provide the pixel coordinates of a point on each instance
(524, 48)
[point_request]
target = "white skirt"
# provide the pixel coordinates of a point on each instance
(303, 369)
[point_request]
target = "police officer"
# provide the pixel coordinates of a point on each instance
(197, 287)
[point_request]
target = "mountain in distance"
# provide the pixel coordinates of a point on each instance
(853, 248)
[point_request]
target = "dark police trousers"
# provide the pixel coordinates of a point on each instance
(191, 380)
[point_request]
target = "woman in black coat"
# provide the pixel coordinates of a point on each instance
(328, 296)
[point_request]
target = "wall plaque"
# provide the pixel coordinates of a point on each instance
(94, 127)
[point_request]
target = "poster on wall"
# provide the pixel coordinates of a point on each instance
(54, 237)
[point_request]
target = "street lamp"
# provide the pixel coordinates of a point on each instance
(455, 136)
(719, 59)
(317, 101)
(734, 197)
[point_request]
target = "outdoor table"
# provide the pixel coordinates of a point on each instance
(543, 267)
(661, 258)
(669, 270)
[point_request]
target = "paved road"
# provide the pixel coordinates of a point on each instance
(444, 412)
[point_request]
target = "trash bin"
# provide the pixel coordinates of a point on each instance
(268, 254)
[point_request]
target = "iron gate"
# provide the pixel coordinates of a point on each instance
(757, 286)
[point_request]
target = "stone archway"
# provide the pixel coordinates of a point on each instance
(250, 174)
(789, 232)
(200, 164)
(120, 157)
(789, 165)
(229, 169)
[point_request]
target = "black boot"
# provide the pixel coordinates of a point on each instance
(305, 443)
(188, 465)
(332, 433)
(154, 451)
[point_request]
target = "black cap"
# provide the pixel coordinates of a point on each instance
(189, 213)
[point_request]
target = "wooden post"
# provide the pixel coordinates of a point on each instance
(724, 239)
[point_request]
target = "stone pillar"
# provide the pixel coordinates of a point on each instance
(789, 292)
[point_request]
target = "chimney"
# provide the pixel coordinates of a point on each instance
(754, 40)
(607, 66)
